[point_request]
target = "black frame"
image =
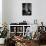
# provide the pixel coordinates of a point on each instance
(26, 9)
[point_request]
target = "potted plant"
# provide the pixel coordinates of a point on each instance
(3, 34)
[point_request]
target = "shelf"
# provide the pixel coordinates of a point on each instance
(19, 32)
(16, 32)
(12, 32)
(19, 27)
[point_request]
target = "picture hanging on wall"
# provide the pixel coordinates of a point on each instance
(26, 9)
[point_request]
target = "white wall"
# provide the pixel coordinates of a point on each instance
(0, 13)
(16, 11)
(39, 10)
(13, 11)
(4, 11)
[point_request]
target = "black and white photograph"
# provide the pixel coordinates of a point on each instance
(26, 8)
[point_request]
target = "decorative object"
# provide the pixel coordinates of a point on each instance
(28, 33)
(26, 9)
(3, 34)
(2, 40)
(35, 21)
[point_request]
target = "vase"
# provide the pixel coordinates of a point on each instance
(2, 40)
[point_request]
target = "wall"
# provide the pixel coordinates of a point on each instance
(4, 11)
(16, 11)
(13, 11)
(39, 10)
(0, 13)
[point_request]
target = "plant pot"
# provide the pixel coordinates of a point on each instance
(2, 40)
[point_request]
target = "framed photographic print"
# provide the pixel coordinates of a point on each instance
(26, 9)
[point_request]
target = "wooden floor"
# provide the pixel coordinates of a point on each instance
(1, 45)
(32, 45)
(36, 44)
(42, 45)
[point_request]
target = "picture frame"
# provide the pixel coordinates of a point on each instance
(26, 9)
